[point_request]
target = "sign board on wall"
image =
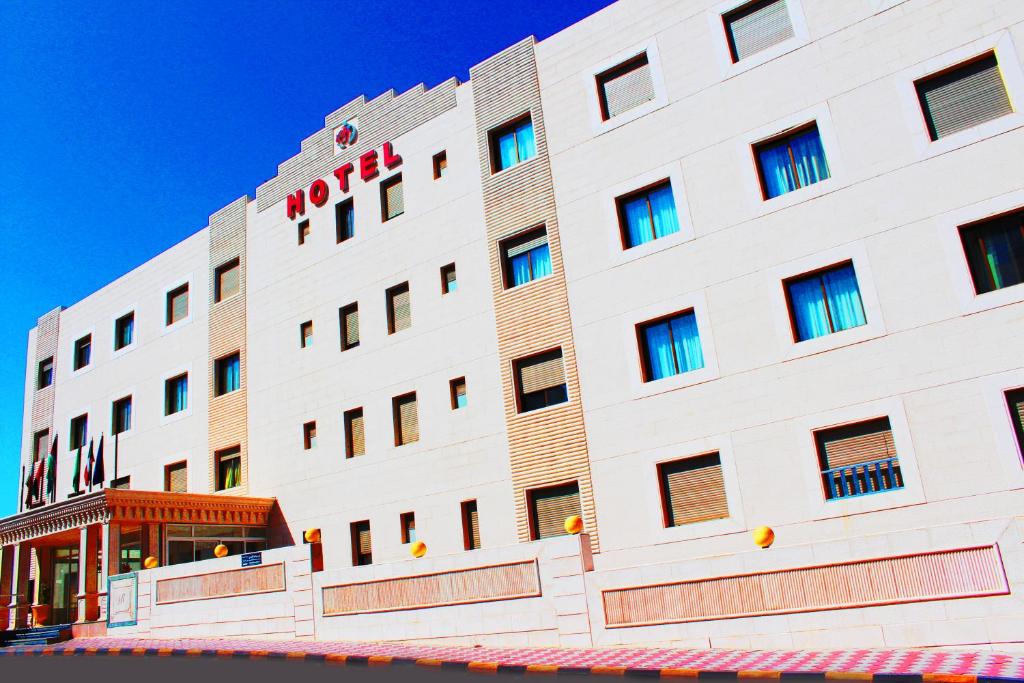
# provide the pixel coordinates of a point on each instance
(123, 597)
(252, 559)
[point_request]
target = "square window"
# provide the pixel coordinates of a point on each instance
(963, 97)
(176, 394)
(692, 490)
(44, 376)
(124, 482)
(406, 419)
(526, 257)
(177, 304)
(791, 161)
(549, 508)
(83, 352)
(303, 228)
(824, 302)
(176, 477)
(756, 26)
(1015, 403)
(121, 415)
(440, 164)
(470, 525)
(345, 220)
(229, 468)
(227, 280)
(306, 334)
(457, 388)
(540, 381)
(858, 459)
(362, 543)
(309, 435)
(79, 432)
(355, 438)
(40, 445)
(625, 87)
(670, 346)
(647, 214)
(512, 143)
(408, 522)
(449, 283)
(399, 308)
(124, 331)
(228, 374)
(349, 318)
(392, 198)
(995, 251)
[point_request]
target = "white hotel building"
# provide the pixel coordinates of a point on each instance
(686, 268)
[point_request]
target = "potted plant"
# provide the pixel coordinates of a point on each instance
(41, 610)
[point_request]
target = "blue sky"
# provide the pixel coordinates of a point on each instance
(124, 126)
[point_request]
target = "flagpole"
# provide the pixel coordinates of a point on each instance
(21, 498)
(116, 441)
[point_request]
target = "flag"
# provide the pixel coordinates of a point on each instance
(37, 478)
(28, 486)
(51, 470)
(88, 467)
(97, 469)
(76, 478)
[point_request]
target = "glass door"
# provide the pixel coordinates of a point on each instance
(65, 586)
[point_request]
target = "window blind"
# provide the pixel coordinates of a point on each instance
(407, 422)
(356, 439)
(1015, 401)
(177, 305)
(229, 280)
(757, 26)
(472, 522)
(449, 279)
(401, 310)
(177, 477)
(532, 243)
(394, 199)
(551, 506)
(362, 543)
(964, 97)
(350, 326)
(694, 490)
(541, 372)
(856, 444)
(626, 86)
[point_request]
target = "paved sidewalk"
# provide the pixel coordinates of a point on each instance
(933, 665)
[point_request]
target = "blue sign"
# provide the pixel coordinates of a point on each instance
(252, 559)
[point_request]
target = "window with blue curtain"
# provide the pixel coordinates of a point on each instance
(176, 395)
(825, 302)
(791, 162)
(671, 346)
(229, 375)
(527, 258)
(995, 252)
(647, 215)
(513, 143)
(345, 220)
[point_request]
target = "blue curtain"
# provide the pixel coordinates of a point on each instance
(638, 221)
(808, 308)
(232, 379)
(126, 415)
(673, 347)
(507, 154)
(520, 269)
(126, 333)
(777, 167)
(686, 340)
(776, 170)
(527, 143)
(663, 207)
(638, 211)
(844, 301)
(181, 394)
(541, 260)
(811, 165)
(660, 359)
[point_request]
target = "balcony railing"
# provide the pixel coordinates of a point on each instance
(862, 479)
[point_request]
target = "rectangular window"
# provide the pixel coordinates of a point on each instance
(121, 415)
(349, 318)
(303, 228)
(83, 352)
(756, 26)
(440, 165)
(1015, 402)
(625, 86)
(458, 392)
(963, 97)
(177, 304)
(309, 435)
(228, 374)
(995, 252)
(362, 545)
(399, 308)
(408, 522)
(306, 334)
(647, 214)
(692, 490)
(449, 283)
(355, 439)
(345, 220)
(124, 331)
(526, 257)
(229, 468)
(79, 432)
(406, 419)
(549, 508)
(858, 459)
(227, 280)
(176, 477)
(792, 161)
(540, 381)
(670, 346)
(512, 143)
(44, 377)
(824, 302)
(40, 445)
(124, 482)
(470, 525)
(392, 198)
(176, 394)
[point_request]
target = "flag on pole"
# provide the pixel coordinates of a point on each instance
(76, 477)
(97, 468)
(51, 470)
(28, 485)
(37, 478)
(88, 467)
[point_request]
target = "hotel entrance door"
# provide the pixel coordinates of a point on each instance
(65, 586)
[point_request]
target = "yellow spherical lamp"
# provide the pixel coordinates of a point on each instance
(573, 524)
(763, 536)
(220, 550)
(150, 563)
(311, 535)
(418, 549)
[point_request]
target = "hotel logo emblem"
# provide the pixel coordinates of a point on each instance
(345, 136)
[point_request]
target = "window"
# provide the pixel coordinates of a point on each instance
(44, 377)
(83, 352)
(177, 304)
(79, 432)
(963, 97)
(362, 544)
(625, 86)
(176, 394)
(228, 374)
(121, 415)
(345, 220)
(692, 490)
(303, 228)
(355, 440)
(858, 459)
(192, 543)
(670, 346)
(470, 525)
(440, 165)
(512, 143)
(647, 214)
(1015, 402)
(349, 317)
(40, 444)
(457, 388)
(449, 283)
(526, 257)
(306, 334)
(229, 468)
(309, 435)
(791, 161)
(392, 199)
(124, 331)
(399, 308)
(995, 252)
(406, 418)
(176, 477)
(540, 381)
(824, 302)
(227, 280)
(756, 26)
(124, 482)
(549, 508)
(408, 522)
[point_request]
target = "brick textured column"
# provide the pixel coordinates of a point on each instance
(88, 600)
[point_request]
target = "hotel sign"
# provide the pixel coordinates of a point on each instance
(345, 136)
(319, 191)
